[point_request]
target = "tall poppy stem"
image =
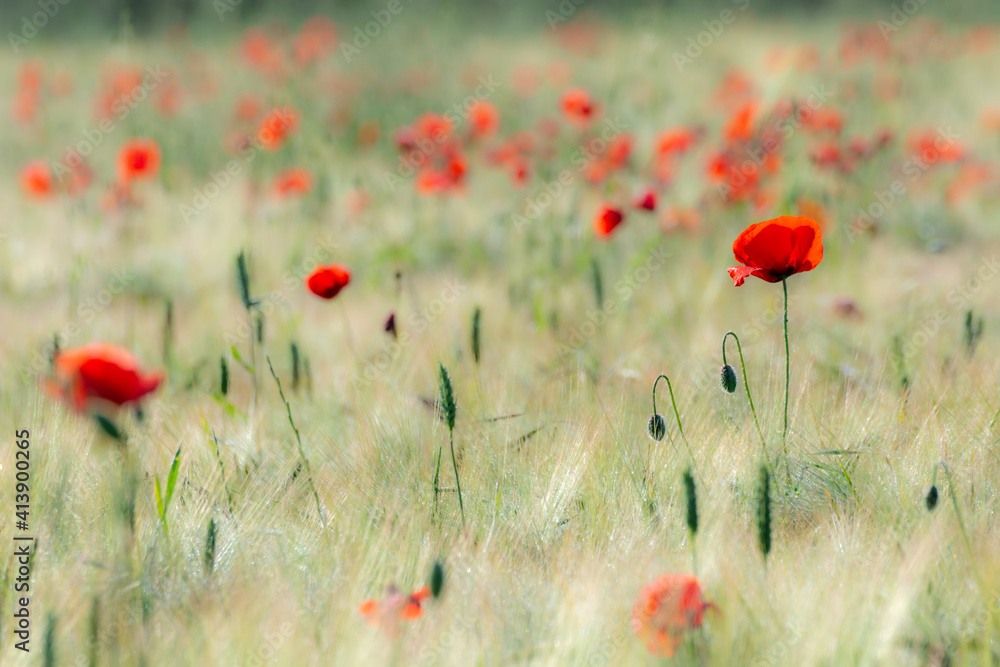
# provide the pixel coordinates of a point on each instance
(746, 388)
(788, 360)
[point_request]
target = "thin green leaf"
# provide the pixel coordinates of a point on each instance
(159, 498)
(172, 479)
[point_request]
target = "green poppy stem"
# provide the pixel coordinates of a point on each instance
(746, 388)
(677, 414)
(788, 360)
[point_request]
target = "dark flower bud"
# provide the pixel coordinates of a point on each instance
(656, 427)
(728, 378)
(932, 498)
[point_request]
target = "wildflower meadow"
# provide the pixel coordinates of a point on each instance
(442, 333)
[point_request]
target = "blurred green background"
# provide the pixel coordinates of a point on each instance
(96, 18)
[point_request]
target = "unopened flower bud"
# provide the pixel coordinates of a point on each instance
(728, 378)
(656, 427)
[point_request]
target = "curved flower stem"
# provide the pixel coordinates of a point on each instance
(677, 415)
(746, 388)
(788, 358)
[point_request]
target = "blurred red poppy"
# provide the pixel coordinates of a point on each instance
(776, 249)
(292, 182)
(100, 376)
(394, 608)
(327, 281)
(740, 126)
(646, 200)
(606, 220)
(36, 179)
(138, 159)
(484, 119)
(666, 609)
(578, 107)
(276, 127)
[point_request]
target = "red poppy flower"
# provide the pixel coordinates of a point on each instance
(676, 141)
(327, 281)
(36, 179)
(99, 375)
(607, 219)
(276, 127)
(138, 159)
(618, 151)
(740, 126)
(646, 200)
(776, 249)
(394, 608)
(666, 609)
(578, 107)
(293, 182)
(484, 119)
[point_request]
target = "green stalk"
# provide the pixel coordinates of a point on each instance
(746, 388)
(677, 414)
(788, 360)
(454, 465)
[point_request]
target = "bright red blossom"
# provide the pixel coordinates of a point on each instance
(100, 375)
(327, 281)
(606, 220)
(138, 159)
(36, 179)
(776, 249)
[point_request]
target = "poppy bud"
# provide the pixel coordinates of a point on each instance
(437, 579)
(223, 376)
(656, 427)
(932, 498)
(691, 501)
(764, 512)
(728, 378)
